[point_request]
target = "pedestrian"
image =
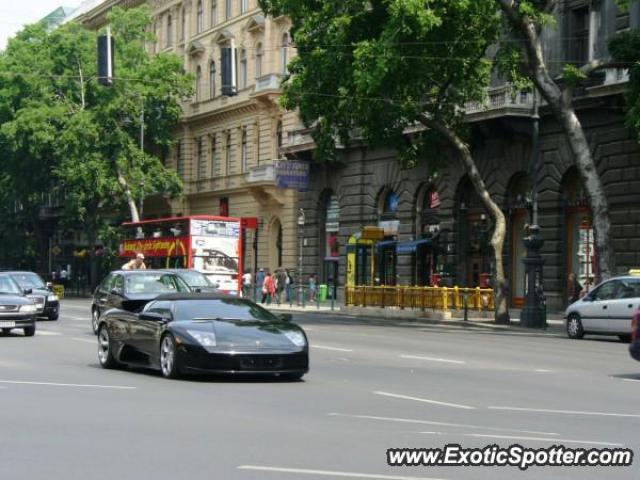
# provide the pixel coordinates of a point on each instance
(259, 282)
(135, 263)
(289, 286)
(268, 288)
(313, 287)
(281, 283)
(64, 276)
(574, 289)
(246, 283)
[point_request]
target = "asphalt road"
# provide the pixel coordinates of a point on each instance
(371, 387)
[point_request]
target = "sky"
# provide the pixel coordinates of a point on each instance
(14, 14)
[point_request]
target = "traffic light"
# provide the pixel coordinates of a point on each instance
(105, 59)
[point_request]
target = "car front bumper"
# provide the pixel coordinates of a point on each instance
(51, 309)
(197, 360)
(17, 321)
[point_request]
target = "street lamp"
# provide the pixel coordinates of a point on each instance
(301, 221)
(534, 314)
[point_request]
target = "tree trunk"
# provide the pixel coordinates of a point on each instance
(500, 290)
(133, 208)
(561, 102)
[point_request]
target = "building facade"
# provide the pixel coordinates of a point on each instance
(429, 227)
(226, 145)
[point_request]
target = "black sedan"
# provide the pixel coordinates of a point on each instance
(131, 290)
(48, 302)
(16, 309)
(197, 281)
(203, 333)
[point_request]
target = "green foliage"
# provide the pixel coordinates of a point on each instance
(61, 130)
(375, 67)
(625, 47)
(572, 75)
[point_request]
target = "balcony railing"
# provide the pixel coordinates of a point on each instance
(268, 83)
(503, 100)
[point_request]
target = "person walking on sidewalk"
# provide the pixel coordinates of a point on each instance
(281, 284)
(268, 288)
(574, 289)
(313, 287)
(246, 283)
(259, 282)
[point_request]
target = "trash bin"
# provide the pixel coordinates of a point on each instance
(322, 293)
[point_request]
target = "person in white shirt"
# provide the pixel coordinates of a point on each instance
(246, 283)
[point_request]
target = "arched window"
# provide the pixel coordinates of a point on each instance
(214, 12)
(259, 55)
(243, 68)
(198, 83)
(244, 6)
(284, 54)
(228, 9)
(388, 206)
(279, 135)
(200, 17)
(212, 79)
(183, 23)
(169, 39)
(243, 151)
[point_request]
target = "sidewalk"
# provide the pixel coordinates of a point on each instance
(555, 322)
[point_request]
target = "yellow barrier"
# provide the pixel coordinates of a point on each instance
(436, 298)
(58, 290)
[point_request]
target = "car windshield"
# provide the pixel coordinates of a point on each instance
(195, 279)
(151, 283)
(8, 285)
(28, 280)
(227, 308)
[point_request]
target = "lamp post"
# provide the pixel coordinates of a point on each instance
(301, 221)
(534, 313)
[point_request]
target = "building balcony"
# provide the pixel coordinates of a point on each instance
(267, 84)
(264, 174)
(502, 101)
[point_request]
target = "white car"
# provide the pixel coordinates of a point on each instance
(606, 310)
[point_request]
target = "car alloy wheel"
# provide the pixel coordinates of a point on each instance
(574, 326)
(168, 357)
(105, 354)
(94, 320)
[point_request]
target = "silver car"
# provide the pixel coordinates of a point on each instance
(606, 310)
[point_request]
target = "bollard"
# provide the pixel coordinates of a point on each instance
(466, 305)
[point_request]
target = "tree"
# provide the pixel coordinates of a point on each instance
(63, 131)
(526, 20)
(383, 67)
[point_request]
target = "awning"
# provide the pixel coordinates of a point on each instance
(411, 247)
(385, 244)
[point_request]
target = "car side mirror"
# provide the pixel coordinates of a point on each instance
(115, 291)
(27, 291)
(286, 317)
(153, 317)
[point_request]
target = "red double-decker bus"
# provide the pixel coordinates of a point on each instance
(210, 244)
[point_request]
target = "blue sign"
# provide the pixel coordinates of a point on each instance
(292, 174)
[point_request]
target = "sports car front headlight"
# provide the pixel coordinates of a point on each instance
(206, 339)
(297, 338)
(52, 298)
(30, 308)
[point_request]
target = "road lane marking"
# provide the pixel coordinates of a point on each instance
(441, 424)
(85, 340)
(541, 439)
(631, 379)
(433, 359)
(330, 473)
(424, 400)
(47, 333)
(335, 349)
(51, 384)
(566, 412)
(542, 370)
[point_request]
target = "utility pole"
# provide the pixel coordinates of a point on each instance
(301, 222)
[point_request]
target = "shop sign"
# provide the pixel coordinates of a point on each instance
(389, 227)
(292, 174)
(372, 233)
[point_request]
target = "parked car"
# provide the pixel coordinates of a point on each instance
(605, 310)
(197, 281)
(16, 309)
(131, 290)
(634, 347)
(48, 302)
(203, 333)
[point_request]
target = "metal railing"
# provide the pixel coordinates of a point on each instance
(435, 298)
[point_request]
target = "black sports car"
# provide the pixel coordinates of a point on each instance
(47, 301)
(131, 290)
(203, 333)
(16, 309)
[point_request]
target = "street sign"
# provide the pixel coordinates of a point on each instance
(372, 233)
